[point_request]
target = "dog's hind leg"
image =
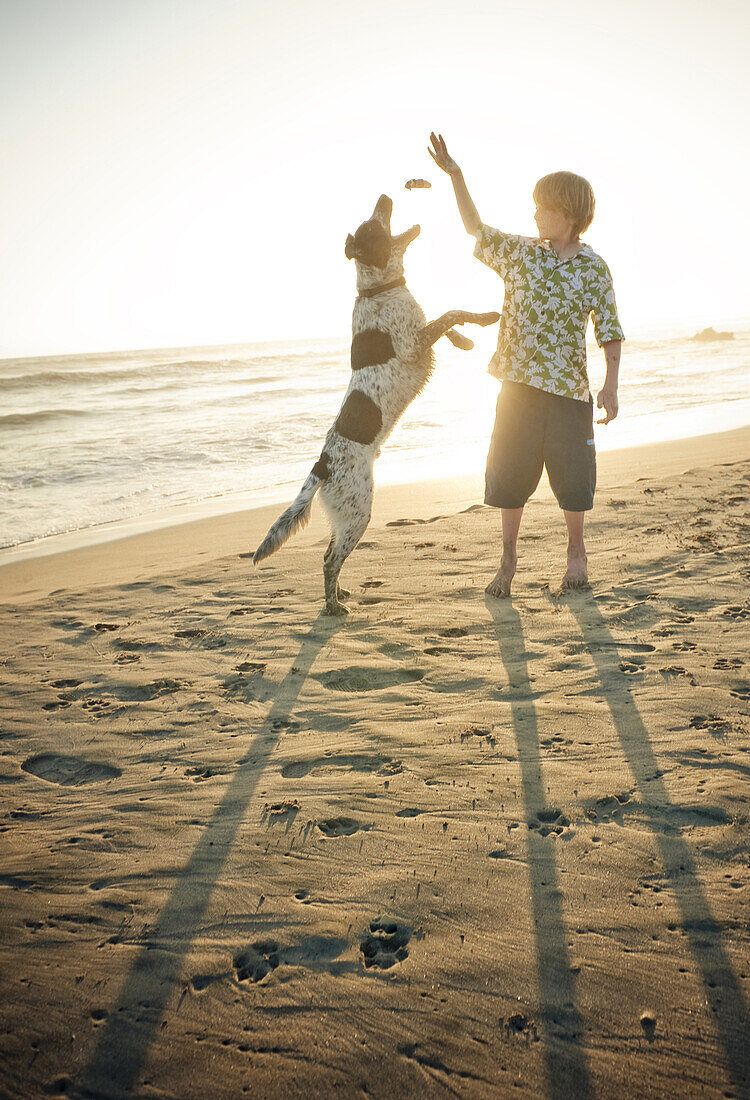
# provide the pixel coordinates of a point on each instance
(340, 547)
(341, 593)
(435, 329)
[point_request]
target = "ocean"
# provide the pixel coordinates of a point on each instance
(96, 439)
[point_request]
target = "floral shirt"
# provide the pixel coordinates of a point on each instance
(542, 339)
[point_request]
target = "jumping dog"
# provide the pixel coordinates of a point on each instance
(392, 360)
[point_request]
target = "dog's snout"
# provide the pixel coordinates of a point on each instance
(383, 210)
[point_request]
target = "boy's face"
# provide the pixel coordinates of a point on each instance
(552, 224)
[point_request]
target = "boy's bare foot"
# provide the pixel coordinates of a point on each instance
(499, 586)
(576, 575)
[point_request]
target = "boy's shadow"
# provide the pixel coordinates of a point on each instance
(562, 1025)
(721, 989)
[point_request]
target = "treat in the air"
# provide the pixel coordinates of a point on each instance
(417, 183)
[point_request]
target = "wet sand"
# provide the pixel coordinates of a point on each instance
(448, 846)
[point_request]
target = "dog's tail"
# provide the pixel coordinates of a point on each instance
(294, 519)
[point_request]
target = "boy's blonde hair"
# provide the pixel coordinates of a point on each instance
(569, 193)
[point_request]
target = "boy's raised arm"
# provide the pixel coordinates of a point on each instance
(444, 160)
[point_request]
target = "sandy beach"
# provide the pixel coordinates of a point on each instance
(447, 846)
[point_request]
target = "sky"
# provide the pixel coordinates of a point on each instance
(185, 172)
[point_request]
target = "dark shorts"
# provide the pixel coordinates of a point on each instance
(534, 429)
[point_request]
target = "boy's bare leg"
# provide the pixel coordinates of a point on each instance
(500, 583)
(576, 575)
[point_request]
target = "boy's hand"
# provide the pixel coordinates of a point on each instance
(441, 155)
(607, 400)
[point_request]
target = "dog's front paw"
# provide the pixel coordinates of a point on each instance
(343, 594)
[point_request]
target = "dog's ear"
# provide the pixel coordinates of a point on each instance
(403, 240)
(349, 247)
(382, 212)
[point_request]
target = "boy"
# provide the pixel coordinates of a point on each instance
(545, 411)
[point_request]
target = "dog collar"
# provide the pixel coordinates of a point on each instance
(381, 289)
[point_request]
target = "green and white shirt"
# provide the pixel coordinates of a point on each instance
(548, 301)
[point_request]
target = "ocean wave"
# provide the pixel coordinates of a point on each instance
(148, 372)
(24, 420)
(187, 374)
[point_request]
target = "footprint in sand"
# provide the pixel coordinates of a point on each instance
(278, 724)
(405, 522)
(96, 705)
(132, 645)
(454, 632)
(550, 821)
(710, 722)
(609, 807)
(688, 817)
(671, 672)
(481, 732)
(385, 944)
(202, 772)
(140, 693)
(633, 667)
(276, 812)
(256, 961)
(251, 666)
(357, 762)
(518, 1026)
(339, 826)
(728, 663)
(69, 771)
(372, 584)
(368, 679)
(741, 691)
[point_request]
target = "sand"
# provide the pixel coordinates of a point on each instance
(448, 846)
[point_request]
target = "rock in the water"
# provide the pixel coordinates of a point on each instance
(712, 334)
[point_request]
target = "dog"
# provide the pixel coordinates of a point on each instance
(392, 360)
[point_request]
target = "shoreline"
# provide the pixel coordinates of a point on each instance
(150, 545)
(157, 546)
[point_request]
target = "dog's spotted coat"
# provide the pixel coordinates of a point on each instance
(392, 360)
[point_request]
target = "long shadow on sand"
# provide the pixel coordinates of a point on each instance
(562, 1026)
(722, 992)
(124, 1041)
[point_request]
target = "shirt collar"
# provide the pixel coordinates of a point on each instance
(584, 252)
